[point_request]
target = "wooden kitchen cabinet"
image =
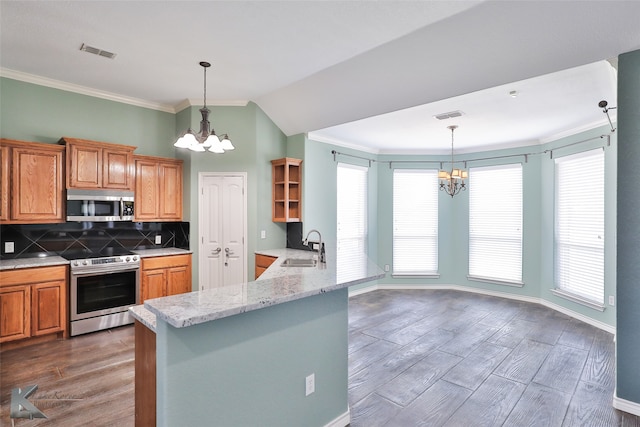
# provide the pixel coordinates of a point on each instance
(32, 182)
(165, 275)
(98, 165)
(158, 189)
(15, 314)
(5, 167)
(33, 302)
(286, 178)
(262, 263)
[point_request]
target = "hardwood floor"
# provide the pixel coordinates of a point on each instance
(448, 358)
(85, 380)
(416, 358)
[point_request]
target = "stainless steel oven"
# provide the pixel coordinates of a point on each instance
(101, 291)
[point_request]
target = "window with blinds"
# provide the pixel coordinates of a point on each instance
(579, 225)
(415, 222)
(351, 221)
(495, 223)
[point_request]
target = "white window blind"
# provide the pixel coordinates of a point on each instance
(351, 221)
(495, 223)
(579, 225)
(415, 222)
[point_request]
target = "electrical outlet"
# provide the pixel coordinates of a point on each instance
(158, 239)
(263, 234)
(612, 300)
(9, 247)
(386, 267)
(315, 246)
(310, 384)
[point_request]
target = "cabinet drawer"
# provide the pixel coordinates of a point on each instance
(165, 261)
(26, 276)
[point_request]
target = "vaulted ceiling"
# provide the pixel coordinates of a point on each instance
(370, 74)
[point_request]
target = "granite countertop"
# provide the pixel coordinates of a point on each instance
(143, 315)
(145, 253)
(276, 285)
(47, 261)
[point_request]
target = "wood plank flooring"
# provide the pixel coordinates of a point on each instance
(474, 360)
(416, 358)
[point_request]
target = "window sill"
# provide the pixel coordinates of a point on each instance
(577, 299)
(415, 275)
(495, 281)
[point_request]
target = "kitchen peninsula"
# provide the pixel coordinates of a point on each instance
(243, 354)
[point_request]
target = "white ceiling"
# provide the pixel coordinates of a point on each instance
(334, 67)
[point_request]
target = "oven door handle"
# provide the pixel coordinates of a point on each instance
(121, 207)
(97, 271)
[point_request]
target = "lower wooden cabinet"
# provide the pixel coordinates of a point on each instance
(164, 276)
(262, 263)
(33, 302)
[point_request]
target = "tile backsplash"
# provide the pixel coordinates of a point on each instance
(33, 240)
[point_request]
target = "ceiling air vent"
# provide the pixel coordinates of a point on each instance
(448, 115)
(97, 51)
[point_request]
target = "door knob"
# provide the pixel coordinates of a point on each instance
(216, 251)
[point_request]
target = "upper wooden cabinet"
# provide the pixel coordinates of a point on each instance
(32, 187)
(98, 165)
(286, 178)
(5, 168)
(158, 189)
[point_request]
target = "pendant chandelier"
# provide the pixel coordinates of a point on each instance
(206, 138)
(452, 182)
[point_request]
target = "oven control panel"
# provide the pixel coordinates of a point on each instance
(124, 259)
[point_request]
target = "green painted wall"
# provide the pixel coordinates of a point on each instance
(255, 366)
(257, 141)
(37, 113)
(628, 231)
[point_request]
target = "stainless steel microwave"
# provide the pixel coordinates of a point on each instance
(100, 205)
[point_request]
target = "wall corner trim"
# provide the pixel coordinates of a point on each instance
(626, 405)
(341, 421)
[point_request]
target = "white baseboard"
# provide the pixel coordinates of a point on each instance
(525, 298)
(626, 405)
(342, 420)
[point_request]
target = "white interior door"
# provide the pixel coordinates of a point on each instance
(223, 226)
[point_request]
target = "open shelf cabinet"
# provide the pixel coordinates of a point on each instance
(287, 190)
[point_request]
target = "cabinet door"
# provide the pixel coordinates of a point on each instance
(170, 191)
(116, 169)
(47, 307)
(14, 312)
(154, 284)
(85, 166)
(36, 184)
(178, 280)
(4, 183)
(146, 207)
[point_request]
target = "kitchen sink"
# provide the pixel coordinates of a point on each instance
(297, 262)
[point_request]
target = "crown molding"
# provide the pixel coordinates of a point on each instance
(84, 90)
(219, 103)
(577, 130)
(341, 143)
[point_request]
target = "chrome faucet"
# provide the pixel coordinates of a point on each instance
(321, 254)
